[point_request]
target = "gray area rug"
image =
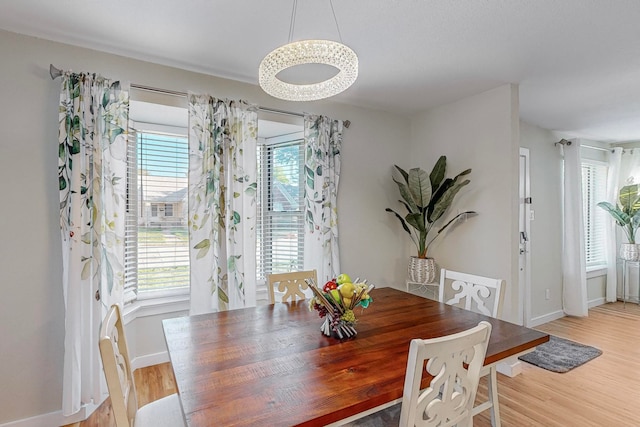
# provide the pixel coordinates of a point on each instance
(384, 418)
(560, 355)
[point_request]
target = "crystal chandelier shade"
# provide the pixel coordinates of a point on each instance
(308, 52)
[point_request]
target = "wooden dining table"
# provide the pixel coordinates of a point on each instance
(271, 365)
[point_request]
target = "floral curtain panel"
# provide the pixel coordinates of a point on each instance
(323, 143)
(222, 203)
(93, 118)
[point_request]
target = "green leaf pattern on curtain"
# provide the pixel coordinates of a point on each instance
(93, 115)
(222, 203)
(323, 142)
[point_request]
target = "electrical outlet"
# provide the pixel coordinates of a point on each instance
(547, 294)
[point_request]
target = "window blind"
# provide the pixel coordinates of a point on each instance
(280, 224)
(594, 183)
(156, 238)
(131, 223)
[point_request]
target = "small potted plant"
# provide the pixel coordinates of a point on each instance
(426, 197)
(627, 215)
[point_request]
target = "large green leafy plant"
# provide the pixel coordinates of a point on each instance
(627, 211)
(426, 198)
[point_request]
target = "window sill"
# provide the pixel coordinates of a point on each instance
(596, 272)
(169, 302)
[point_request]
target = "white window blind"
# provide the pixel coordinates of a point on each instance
(280, 225)
(131, 223)
(156, 237)
(594, 187)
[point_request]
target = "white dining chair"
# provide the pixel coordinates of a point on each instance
(292, 284)
(449, 398)
(481, 295)
(165, 412)
(454, 363)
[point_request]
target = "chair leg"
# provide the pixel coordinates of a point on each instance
(492, 388)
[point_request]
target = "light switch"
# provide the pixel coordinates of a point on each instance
(532, 215)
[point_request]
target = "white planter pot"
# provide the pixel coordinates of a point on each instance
(630, 251)
(422, 270)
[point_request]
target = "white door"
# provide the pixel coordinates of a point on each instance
(524, 259)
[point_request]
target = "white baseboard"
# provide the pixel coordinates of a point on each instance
(537, 321)
(54, 418)
(149, 360)
(596, 302)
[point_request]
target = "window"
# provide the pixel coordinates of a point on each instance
(594, 184)
(280, 236)
(164, 209)
(156, 235)
(159, 232)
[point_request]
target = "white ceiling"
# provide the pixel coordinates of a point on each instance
(577, 62)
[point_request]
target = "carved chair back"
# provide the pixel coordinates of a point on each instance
(292, 284)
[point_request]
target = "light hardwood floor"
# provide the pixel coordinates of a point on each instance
(604, 392)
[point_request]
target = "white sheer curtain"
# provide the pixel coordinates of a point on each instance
(629, 168)
(574, 278)
(323, 142)
(611, 252)
(629, 173)
(92, 176)
(222, 203)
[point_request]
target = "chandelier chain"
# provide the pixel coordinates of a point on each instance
(336, 21)
(292, 24)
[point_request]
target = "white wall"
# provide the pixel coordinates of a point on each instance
(479, 132)
(31, 306)
(546, 229)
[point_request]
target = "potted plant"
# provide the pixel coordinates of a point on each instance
(627, 216)
(426, 197)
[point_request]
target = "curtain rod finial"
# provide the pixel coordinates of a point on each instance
(54, 72)
(563, 142)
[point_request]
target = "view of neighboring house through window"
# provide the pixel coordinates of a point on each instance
(594, 187)
(156, 235)
(156, 238)
(163, 246)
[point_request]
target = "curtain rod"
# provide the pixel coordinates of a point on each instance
(56, 72)
(593, 147)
